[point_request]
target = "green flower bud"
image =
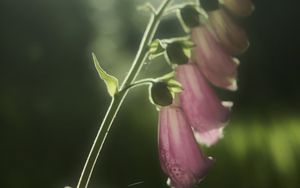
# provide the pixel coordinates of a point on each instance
(175, 53)
(209, 5)
(190, 16)
(160, 94)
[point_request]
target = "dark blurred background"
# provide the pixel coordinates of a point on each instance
(52, 101)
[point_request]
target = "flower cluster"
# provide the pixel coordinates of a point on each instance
(199, 116)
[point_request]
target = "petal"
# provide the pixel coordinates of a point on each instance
(239, 7)
(232, 37)
(180, 157)
(204, 111)
(217, 65)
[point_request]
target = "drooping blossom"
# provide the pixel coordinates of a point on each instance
(231, 36)
(180, 157)
(239, 7)
(204, 110)
(217, 39)
(219, 67)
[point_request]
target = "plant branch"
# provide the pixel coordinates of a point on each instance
(117, 100)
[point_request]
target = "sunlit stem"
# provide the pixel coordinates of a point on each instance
(142, 82)
(117, 100)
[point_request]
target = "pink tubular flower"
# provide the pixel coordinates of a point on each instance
(204, 111)
(231, 36)
(239, 7)
(216, 65)
(180, 157)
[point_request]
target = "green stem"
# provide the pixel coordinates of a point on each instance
(147, 81)
(116, 102)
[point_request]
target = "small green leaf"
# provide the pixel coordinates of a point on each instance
(187, 52)
(187, 46)
(188, 43)
(156, 49)
(112, 83)
(174, 86)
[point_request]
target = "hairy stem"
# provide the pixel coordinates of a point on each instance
(116, 102)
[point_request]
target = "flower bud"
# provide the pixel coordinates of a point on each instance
(160, 94)
(175, 53)
(190, 16)
(209, 5)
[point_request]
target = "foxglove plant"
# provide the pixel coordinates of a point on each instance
(190, 113)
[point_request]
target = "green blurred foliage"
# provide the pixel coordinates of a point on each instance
(52, 101)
